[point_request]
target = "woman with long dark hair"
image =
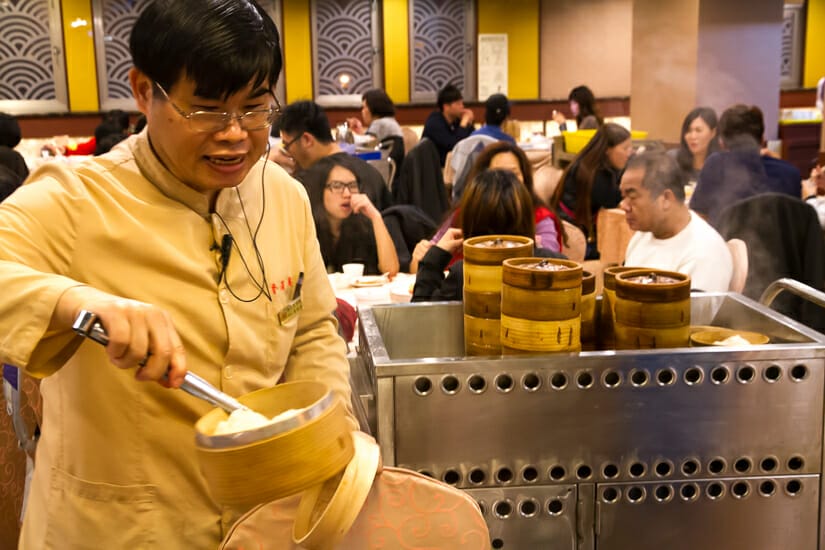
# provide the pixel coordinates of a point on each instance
(699, 139)
(494, 203)
(583, 107)
(591, 181)
(350, 228)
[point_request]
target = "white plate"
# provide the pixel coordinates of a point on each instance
(369, 280)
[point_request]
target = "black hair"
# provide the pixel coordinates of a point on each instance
(448, 94)
(117, 118)
(496, 202)
(9, 182)
(742, 126)
(14, 161)
(140, 123)
(9, 131)
(222, 45)
(379, 103)
(587, 104)
(306, 116)
(105, 144)
(496, 109)
(661, 172)
(684, 156)
(589, 160)
(354, 227)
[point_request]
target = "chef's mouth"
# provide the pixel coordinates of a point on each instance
(225, 160)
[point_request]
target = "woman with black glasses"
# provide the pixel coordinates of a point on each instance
(350, 228)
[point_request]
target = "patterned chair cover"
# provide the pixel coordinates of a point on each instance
(403, 510)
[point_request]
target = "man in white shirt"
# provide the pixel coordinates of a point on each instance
(668, 234)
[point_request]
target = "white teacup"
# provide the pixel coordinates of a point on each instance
(353, 272)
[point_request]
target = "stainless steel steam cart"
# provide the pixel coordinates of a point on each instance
(688, 448)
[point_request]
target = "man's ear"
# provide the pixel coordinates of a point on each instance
(142, 89)
(669, 199)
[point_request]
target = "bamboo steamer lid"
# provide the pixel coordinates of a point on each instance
(271, 463)
(610, 273)
(494, 249)
(328, 510)
(486, 305)
(541, 273)
(652, 285)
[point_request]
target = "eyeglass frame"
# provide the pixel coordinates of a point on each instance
(274, 113)
(286, 145)
(343, 185)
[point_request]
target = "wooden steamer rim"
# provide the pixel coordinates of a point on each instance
(328, 510)
(526, 273)
(588, 282)
(652, 292)
(493, 255)
(283, 464)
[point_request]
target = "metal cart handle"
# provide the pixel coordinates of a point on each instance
(800, 289)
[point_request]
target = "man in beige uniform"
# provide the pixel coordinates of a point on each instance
(135, 236)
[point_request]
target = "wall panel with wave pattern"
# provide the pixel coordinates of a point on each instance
(439, 45)
(343, 38)
(27, 68)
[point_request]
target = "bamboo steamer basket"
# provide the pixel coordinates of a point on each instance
(540, 305)
(607, 338)
(279, 459)
(652, 313)
(482, 288)
(588, 311)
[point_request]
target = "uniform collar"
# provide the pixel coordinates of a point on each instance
(226, 203)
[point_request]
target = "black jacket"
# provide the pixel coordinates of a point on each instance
(784, 239)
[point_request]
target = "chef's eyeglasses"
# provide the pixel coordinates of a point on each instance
(208, 121)
(338, 187)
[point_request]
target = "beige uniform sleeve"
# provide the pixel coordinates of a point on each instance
(38, 230)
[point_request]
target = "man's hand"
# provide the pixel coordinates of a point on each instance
(355, 125)
(467, 117)
(140, 335)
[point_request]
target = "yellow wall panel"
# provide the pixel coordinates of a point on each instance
(298, 65)
(520, 22)
(397, 50)
(814, 49)
(81, 71)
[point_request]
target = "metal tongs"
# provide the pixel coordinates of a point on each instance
(88, 325)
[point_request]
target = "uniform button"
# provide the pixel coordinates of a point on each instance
(227, 371)
(223, 295)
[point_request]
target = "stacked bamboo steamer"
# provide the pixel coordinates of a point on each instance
(540, 305)
(483, 257)
(606, 336)
(588, 311)
(652, 309)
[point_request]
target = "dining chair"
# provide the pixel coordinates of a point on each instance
(576, 246)
(739, 254)
(410, 138)
(545, 180)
